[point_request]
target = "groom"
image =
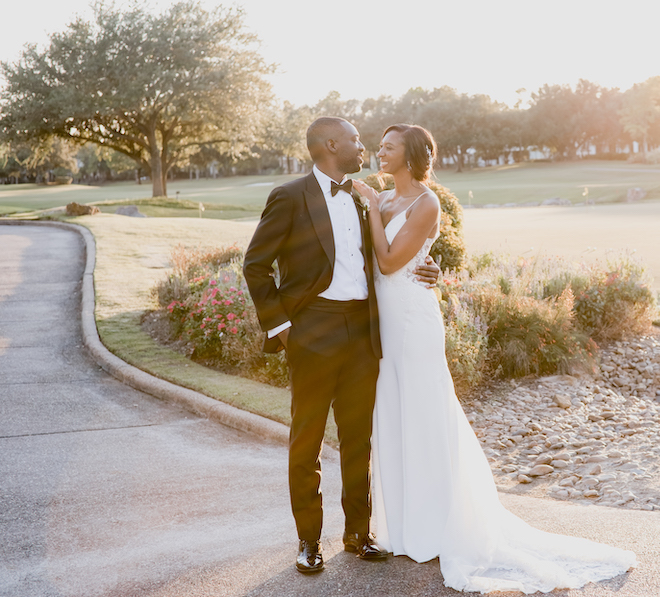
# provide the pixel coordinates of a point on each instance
(324, 313)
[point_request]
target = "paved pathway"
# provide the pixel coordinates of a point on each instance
(106, 491)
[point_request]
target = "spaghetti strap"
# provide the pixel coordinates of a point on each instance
(405, 211)
(415, 201)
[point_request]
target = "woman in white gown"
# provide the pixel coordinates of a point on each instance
(433, 491)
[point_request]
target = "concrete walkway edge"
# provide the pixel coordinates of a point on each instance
(136, 378)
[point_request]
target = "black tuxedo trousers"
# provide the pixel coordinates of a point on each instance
(332, 364)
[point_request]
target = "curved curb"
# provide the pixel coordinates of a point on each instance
(136, 378)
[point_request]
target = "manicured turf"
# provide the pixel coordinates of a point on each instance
(606, 181)
(236, 195)
(244, 196)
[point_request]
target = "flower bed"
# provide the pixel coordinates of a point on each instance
(504, 317)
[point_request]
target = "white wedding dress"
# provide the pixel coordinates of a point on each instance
(433, 490)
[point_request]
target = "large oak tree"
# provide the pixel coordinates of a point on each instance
(151, 86)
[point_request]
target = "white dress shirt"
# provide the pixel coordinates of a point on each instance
(349, 280)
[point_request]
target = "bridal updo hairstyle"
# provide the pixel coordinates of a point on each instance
(420, 149)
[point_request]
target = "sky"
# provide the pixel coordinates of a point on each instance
(369, 48)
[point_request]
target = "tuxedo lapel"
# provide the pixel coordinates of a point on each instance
(366, 234)
(318, 213)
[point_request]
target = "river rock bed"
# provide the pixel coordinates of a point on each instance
(594, 439)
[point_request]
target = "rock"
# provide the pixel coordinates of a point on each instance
(568, 481)
(75, 209)
(635, 194)
(559, 464)
(593, 470)
(605, 477)
(129, 210)
(541, 469)
(556, 201)
(591, 493)
(596, 459)
(524, 479)
(562, 400)
(543, 459)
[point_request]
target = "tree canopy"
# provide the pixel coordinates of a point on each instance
(151, 86)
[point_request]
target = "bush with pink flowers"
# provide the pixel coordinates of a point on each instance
(213, 320)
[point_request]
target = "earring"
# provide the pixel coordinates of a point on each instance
(409, 167)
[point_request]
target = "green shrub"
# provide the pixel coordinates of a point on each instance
(449, 248)
(527, 336)
(188, 264)
(544, 315)
(611, 303)
(213, 315)
(466, 342)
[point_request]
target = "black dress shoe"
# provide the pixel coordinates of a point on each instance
(365, 546)
(310, 558)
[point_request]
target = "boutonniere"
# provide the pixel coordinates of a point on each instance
(362, 204)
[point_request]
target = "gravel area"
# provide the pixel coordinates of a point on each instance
(593, 439)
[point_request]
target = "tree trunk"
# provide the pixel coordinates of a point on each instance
(459, 160)
(645, 145)
(156, 174)
(158, 188)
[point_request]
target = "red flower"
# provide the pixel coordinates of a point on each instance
(234, 330)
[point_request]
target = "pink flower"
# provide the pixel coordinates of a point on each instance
(201, 327)
(221, 326)
(227, 302)
(171, 306)
(230, 316)
(232, 289)
(234, 330)
(239, 292)
(212, 282)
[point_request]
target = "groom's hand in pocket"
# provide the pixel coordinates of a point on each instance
(428, 273)
(284, 338)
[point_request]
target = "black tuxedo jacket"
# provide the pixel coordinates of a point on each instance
(295, 231)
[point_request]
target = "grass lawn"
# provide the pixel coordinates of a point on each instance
(242, 197)
(607, 181)
(235, 195)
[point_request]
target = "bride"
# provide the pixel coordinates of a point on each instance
(433, 491)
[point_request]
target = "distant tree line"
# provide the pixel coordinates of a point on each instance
(184, 93)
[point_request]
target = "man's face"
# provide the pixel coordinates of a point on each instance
(349, 149)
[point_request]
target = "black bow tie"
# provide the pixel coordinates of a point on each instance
(346, 186)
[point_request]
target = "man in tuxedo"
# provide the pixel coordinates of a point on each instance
(324, 313)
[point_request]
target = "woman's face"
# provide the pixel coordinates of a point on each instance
(392, 153)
